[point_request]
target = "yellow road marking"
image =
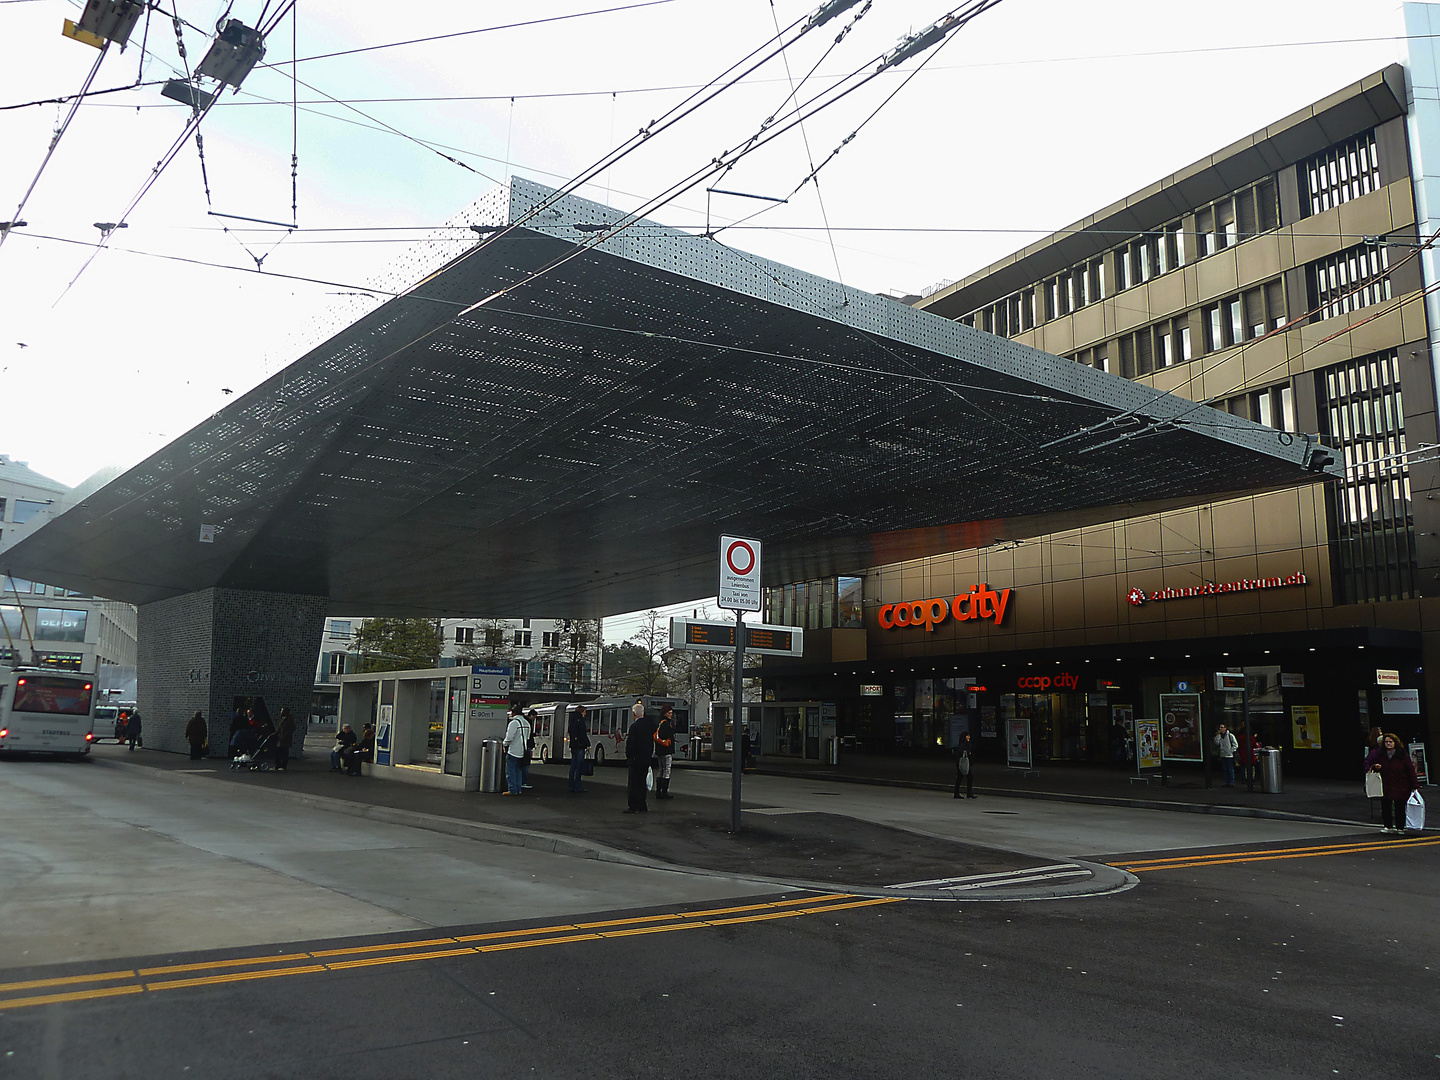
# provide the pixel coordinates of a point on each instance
(215, 964)
(1183, 862)
(68, 980)
(237, 976)
(532, 937)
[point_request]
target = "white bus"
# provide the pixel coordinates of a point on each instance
(607, 722)
(44, 711)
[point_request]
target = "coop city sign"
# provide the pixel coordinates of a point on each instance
(981, 602)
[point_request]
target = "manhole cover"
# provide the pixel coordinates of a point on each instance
(1012, 813)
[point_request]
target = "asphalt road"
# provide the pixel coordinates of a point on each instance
(1274, 957)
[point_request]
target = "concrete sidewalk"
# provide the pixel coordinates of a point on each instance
(1320, 801)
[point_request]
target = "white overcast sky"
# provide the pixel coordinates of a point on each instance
(1033, 115)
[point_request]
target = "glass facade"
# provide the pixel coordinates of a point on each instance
(816, 605)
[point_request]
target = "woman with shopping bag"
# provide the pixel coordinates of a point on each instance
(1398, 781)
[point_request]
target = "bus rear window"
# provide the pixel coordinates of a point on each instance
(51, 694)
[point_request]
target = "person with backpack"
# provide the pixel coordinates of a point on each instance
(517, 738)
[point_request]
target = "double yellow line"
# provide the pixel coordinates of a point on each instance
(20, 995)
(1184, 862)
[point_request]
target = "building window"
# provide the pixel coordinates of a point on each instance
(337, 663)
(521, 639)
(1371, 521)
(2, 509)
(522, 670)
(25, 509)
(1349, 280)
(464, 635)
(1274, 407)
(1345, 171)
(525, 623)
(550, 639)
(547, 671)
(340, 628)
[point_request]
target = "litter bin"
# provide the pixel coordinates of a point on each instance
(1271, 778)
(492, 765)
(832, 752)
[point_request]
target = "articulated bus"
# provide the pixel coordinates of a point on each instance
(44, 711)
(607, 722)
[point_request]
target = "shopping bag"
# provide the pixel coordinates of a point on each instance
(1374, 786)
(650, 780)
(1415, 812)
(587, 767)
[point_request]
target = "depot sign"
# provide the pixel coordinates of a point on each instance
(981, 602)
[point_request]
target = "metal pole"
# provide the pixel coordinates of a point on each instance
(737, 717)
(1255, 764)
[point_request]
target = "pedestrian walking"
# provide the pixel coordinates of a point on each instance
(664, 751)
(1398, 778)
(639, 749)
(284, 738)
(1225, 746)
(963, 770)
(197, 735)
(132, 730)
(579, 738)
(344, 740)
(517, 737)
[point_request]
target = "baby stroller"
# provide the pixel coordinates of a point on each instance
(251, 757)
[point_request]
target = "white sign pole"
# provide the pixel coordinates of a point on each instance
(740, 592)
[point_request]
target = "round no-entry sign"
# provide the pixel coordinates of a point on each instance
(739, 574)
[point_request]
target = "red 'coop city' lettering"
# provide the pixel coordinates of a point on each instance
(981, 602)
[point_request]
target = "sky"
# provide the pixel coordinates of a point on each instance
(1032, 115)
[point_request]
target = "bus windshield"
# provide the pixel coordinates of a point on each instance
(52, 694)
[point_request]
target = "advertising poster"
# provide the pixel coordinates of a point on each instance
(1403, 702)
(987, 721)
(1147, 744)
(1422, 770)
(1181, 737)
(1305, 722)
(1124, 717)
(1017, 744)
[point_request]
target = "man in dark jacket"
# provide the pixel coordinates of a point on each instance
(284, 739)
(664, 752)
(639, 748)
(579, 739)
(196, 734)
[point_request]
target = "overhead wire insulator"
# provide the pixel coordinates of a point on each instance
(918, 43)
(827, 11)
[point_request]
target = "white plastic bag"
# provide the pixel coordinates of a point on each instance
(650, 784)
(1415, 811)
(1374, 786)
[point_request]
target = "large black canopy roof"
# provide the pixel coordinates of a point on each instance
(491, 442)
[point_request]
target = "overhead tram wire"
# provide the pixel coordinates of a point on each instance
(55, 140)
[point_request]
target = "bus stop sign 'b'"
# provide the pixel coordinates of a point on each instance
(739, 574)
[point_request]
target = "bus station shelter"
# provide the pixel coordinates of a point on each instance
(537, 411)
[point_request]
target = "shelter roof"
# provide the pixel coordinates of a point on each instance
(543, 419)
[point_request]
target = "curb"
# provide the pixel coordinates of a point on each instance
(1114, 880)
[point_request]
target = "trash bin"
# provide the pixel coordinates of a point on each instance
(492, 765)
(832, 752)
(1271, 778)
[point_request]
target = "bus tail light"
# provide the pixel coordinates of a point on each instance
(89, 736)
(4, 731)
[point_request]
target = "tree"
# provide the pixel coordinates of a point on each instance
(578, 641)
(399, 644)
(653, 639)
(492, 647)
(624, 665)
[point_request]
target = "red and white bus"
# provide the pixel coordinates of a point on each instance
(45, 711)
(607, 721)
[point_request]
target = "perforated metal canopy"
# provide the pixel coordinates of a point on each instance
(573, 445)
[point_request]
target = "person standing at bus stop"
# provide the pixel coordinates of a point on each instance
(639, 749)
(196, 734)
(664, 752)
(517, 737)
(132, 730)
(579, 739)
